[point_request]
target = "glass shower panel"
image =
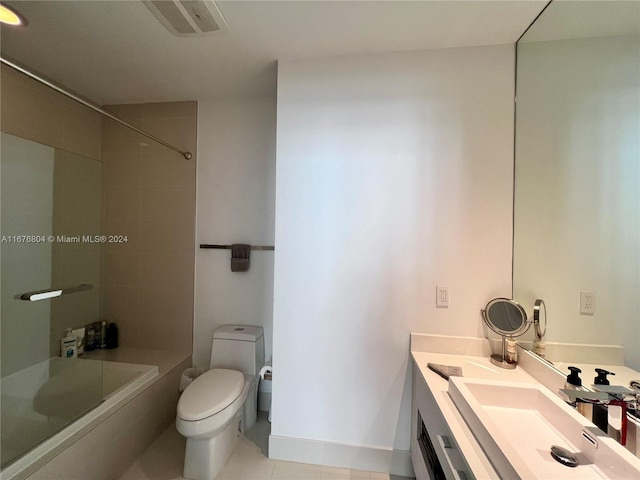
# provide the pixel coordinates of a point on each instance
(50, 204)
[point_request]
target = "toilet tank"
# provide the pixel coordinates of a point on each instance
(238, 347)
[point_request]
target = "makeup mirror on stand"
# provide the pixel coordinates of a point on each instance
(539, 312)
(508, 319)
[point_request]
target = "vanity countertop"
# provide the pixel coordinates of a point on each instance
(478, 367)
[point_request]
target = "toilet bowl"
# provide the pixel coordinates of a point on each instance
(216, 408)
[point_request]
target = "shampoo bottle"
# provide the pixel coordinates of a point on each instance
(69, 344)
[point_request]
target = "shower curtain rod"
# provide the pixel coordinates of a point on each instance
(92, 106)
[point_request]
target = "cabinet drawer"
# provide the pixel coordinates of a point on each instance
(434, 452)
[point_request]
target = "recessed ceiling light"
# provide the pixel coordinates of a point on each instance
(9, 16)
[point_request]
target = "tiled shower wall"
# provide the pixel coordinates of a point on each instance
(37, 113)
(149, 198)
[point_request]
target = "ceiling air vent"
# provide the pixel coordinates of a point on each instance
(188, 17)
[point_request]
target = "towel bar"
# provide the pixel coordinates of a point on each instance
(228, 247)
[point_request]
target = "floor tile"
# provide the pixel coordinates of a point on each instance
(164, 460)
(296, 471)
(247, 463)
(331, 473)
(379, 476)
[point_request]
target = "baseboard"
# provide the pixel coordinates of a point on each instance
(331, 454)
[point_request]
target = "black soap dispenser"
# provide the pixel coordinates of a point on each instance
(600, 411)
(574, 382)
(573, 379)
(601, 378)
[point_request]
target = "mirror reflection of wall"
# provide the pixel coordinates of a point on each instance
(577, 188)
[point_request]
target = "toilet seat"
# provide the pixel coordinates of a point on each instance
(210, 393)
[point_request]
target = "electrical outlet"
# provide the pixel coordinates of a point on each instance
(442, 297)
(587, 303)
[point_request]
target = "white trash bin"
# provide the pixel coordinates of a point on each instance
(188, 376)
(264, 393)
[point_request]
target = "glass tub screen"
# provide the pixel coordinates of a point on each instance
(48, 198)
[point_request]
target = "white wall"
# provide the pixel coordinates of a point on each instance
(394, 174)
(235, 204)
(577, 182)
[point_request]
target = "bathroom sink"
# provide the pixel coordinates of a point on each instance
(517, 423)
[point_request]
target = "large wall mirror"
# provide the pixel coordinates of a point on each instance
(577, 180)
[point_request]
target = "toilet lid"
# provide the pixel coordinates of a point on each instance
(210, 393)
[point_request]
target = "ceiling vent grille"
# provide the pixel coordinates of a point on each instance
(187, 18)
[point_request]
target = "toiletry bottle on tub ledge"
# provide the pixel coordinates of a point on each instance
(69, 344)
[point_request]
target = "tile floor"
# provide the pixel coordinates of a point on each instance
(163, 461)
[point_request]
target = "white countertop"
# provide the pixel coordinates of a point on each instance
(472, 367)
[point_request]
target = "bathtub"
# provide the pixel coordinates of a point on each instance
(53, 402)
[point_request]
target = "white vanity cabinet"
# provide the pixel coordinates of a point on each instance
(434, 452)
(452, 445)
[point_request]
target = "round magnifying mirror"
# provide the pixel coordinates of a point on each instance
(508, 319)
(540, 312)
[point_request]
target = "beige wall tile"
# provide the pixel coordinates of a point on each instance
(82, 202)
(121, 169)
(87, 225)
(82, 130)
(167, 335)
(84, 170)
(67, 465)
(30, 110)
(161, 236)
(120, 305)
(165, 305)
(166, 394)
(119, 139)
(167, 169)
(167, 203)
(129, 113)
(166, 271)
(80, 264)
(150, 196)
(122, 203)
(33, 111)
(120, 227)
(115, 443)
(121, 269)
(170, 109)
(129, 332)
(179, 132)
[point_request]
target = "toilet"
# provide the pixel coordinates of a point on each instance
(221, 403)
